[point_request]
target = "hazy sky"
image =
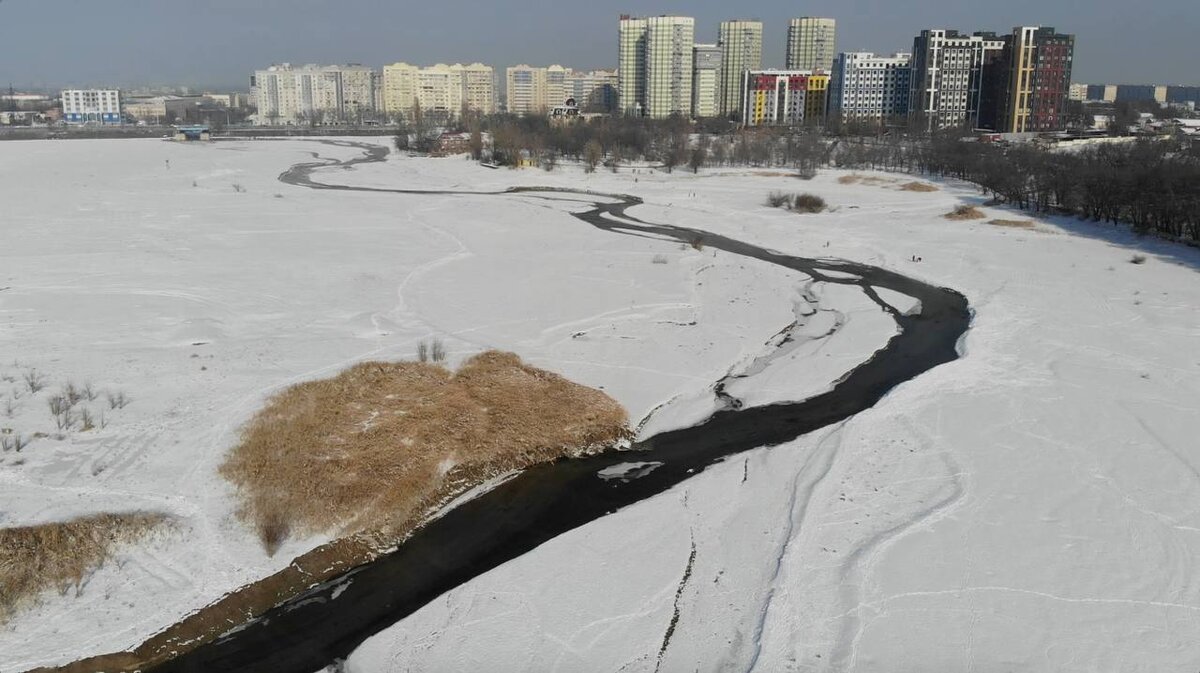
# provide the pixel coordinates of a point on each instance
(52, 43)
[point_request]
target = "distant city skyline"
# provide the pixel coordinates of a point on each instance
(219, 43)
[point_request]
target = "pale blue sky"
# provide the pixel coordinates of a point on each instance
(51, 43)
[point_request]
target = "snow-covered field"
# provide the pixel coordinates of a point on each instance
(1034, 505)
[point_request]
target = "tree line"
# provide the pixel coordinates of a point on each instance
(1153, 185)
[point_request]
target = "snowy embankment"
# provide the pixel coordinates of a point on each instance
(1028, 506)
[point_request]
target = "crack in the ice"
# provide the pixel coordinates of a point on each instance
(683, 581)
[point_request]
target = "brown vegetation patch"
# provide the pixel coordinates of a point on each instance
(60, 555)
(1015, 224)
(918, 187)
(964, 213)
(855, 178)
(336, 453)
(377, 445)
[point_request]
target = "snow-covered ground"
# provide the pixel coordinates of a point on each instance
(1034, 505)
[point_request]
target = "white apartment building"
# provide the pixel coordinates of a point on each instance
(655, 65)
(312, 93)
(706, 80)
(631, 65)
(536, 90)
(864, 86)
(669, 41)
(526, 89)
(478, 87)
(447, 89)
(947, 76)
(811, 43)
(1077, 91)
(741, 50)
(595, 90)
(94, 106)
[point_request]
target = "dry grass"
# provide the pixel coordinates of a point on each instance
(378, 445)
(855, 178)
(917, 187)
(964, 213)
(1015, 224)
(60, 555)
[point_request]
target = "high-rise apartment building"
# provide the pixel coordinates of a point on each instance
(290, 95)
(1034, 71)
(478, 87)
(947, 80)
(534, 90)
(359, 86)
(1077, 91)
(593, 91)
(84, 106)
(706, 80)
(783, 97)
(669, 41)
(865, 87)
(741, 51)
(655, 65)
(443, 89)
(399, 88)
(631, 65)
(811, 43)
(526, 89)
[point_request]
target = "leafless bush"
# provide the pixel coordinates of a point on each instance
(437, 351)
(89, 392)
(10, 407)
(72, 394)
(806, 173)
(59, 406)
(423, 352)
(237, 187)
(659, 259)
(808, 203)
(779, 200)
(86, 421)
(1137, 259)
(116, 400)
(34, 380)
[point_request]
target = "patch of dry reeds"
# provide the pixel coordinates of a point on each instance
(61, 555)
(377, 445)
(1015, 224)
(964, 213)
(917, 187)
(855, 178)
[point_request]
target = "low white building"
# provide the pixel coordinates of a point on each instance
(91, 106)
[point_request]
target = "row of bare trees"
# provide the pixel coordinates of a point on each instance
(1154, 185)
